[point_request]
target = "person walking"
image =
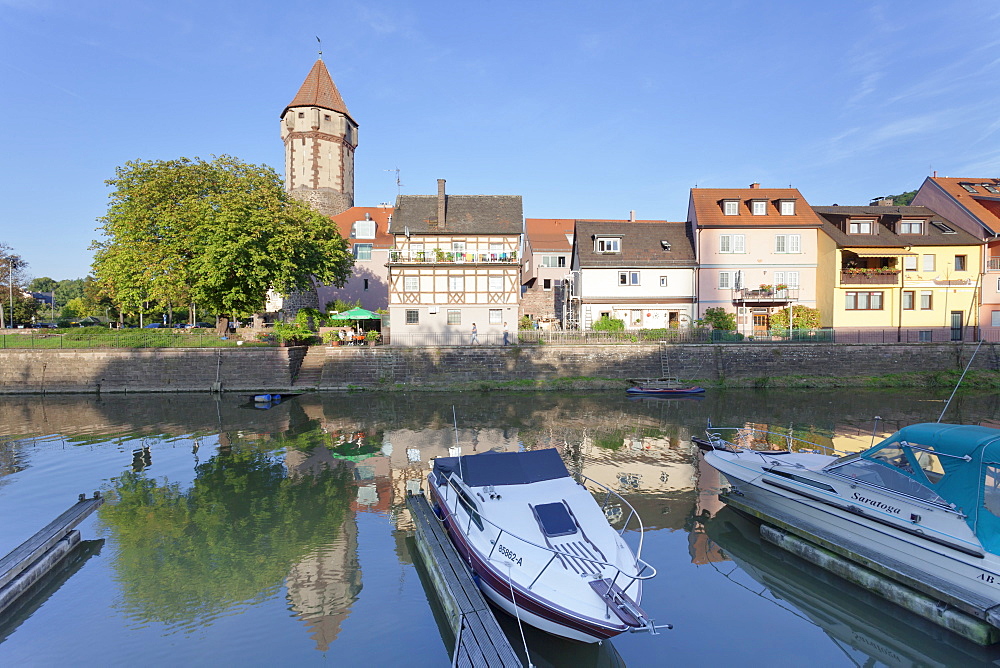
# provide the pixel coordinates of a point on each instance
(475, 336)
(506, 335)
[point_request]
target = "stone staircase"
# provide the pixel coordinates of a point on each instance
(311, 371)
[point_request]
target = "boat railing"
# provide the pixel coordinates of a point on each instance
(640, 565)
(746, 436)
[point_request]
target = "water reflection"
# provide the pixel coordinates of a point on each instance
(219, 510)
(866, 628)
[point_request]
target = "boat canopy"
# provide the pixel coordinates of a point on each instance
(503, 468)
(953, 465)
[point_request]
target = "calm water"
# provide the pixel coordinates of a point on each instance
(279, 537)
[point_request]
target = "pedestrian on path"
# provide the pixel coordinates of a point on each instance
(506, 335)
(475, 336)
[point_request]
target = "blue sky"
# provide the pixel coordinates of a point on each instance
(586, 109)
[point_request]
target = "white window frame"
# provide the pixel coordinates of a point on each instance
(411, 284)
(731, 207)
(496, 316)
(456, 284)
(732, 243)
(791, 280)
(860, 226)
(911, 227)
(758, 207)
(457, 246)
(494, 283)
(927, 297)
(412, 316)
(607, 245)
(787, 207)
(928, 262)
(994, 318)
(359, 250)
(454, 316)
(628, 278)
(663, 281)
(725, 280)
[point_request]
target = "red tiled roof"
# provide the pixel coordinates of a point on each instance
(549, 233)
(708, 206)
(318, 90)
(981, 204)
(380, 214)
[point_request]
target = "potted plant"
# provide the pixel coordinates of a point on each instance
(372, 337)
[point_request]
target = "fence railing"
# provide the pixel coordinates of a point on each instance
(432, 257)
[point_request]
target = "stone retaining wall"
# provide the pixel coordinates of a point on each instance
(147, 370)
(187, 369)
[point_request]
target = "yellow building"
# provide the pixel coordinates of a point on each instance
(902, 268)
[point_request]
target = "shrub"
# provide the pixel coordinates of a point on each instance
(606, 324)
(720, 318)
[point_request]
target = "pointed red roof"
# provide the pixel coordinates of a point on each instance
(318, 90)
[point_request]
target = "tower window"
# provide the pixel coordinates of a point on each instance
(326, 117)
(302, 114)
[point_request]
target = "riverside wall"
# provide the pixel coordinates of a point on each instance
(147, 370)
(196, 370)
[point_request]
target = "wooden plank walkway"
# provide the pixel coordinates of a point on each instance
(479, 639)
(15, 576)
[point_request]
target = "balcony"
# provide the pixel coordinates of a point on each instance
(443, 257)
(993, 264)
(869, 277)
(764, 296)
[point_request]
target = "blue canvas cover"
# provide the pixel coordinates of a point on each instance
(503, 468)
(964, 481)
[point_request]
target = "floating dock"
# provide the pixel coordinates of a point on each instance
(38, 555)
(479, 640)
(962, 611)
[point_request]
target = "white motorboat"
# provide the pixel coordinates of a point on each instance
(922, 507)
(540, 544)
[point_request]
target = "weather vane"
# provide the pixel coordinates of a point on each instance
(320, 47)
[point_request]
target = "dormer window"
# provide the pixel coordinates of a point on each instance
(731, 207)
(911, 227)
(860, 227)
(607, 245)
(664, 244)
(363, 229)
(758, 207)
(787, 207)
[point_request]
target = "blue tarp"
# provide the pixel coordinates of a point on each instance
(504, 468)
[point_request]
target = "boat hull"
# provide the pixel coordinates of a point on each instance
(663, 391)
(948, 572)
(517, 600)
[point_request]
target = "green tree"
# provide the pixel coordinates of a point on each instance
(217, 234)
(719, 318)
(13, 279)
(803, 317)
(903, 199)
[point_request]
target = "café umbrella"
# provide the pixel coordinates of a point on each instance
(356, 314)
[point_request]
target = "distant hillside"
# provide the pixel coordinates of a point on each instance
(902, 199)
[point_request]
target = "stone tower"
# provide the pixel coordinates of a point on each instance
(320, 137)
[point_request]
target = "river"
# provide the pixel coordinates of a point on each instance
(280, 537)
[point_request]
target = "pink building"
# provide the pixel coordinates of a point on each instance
(757, 251)
(548, 249)
(366, 230)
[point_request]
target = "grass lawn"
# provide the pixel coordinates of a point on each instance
(99, 337)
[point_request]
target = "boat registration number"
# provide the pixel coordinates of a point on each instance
(509, 554)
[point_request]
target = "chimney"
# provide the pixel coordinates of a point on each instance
(754, 185)
(441, 203)
(631, 216)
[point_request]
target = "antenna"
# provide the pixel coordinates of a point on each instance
(399, 184)
(320, 47)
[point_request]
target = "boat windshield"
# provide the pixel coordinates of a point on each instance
(881, 473)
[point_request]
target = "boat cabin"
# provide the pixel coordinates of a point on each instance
(953, 466)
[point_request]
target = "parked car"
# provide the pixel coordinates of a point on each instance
(152, 325)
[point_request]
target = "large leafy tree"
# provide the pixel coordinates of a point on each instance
(217, 234)
(13, 275)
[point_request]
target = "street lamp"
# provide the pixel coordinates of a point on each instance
(11, 263)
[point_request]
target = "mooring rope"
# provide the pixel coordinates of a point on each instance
(517, 614)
